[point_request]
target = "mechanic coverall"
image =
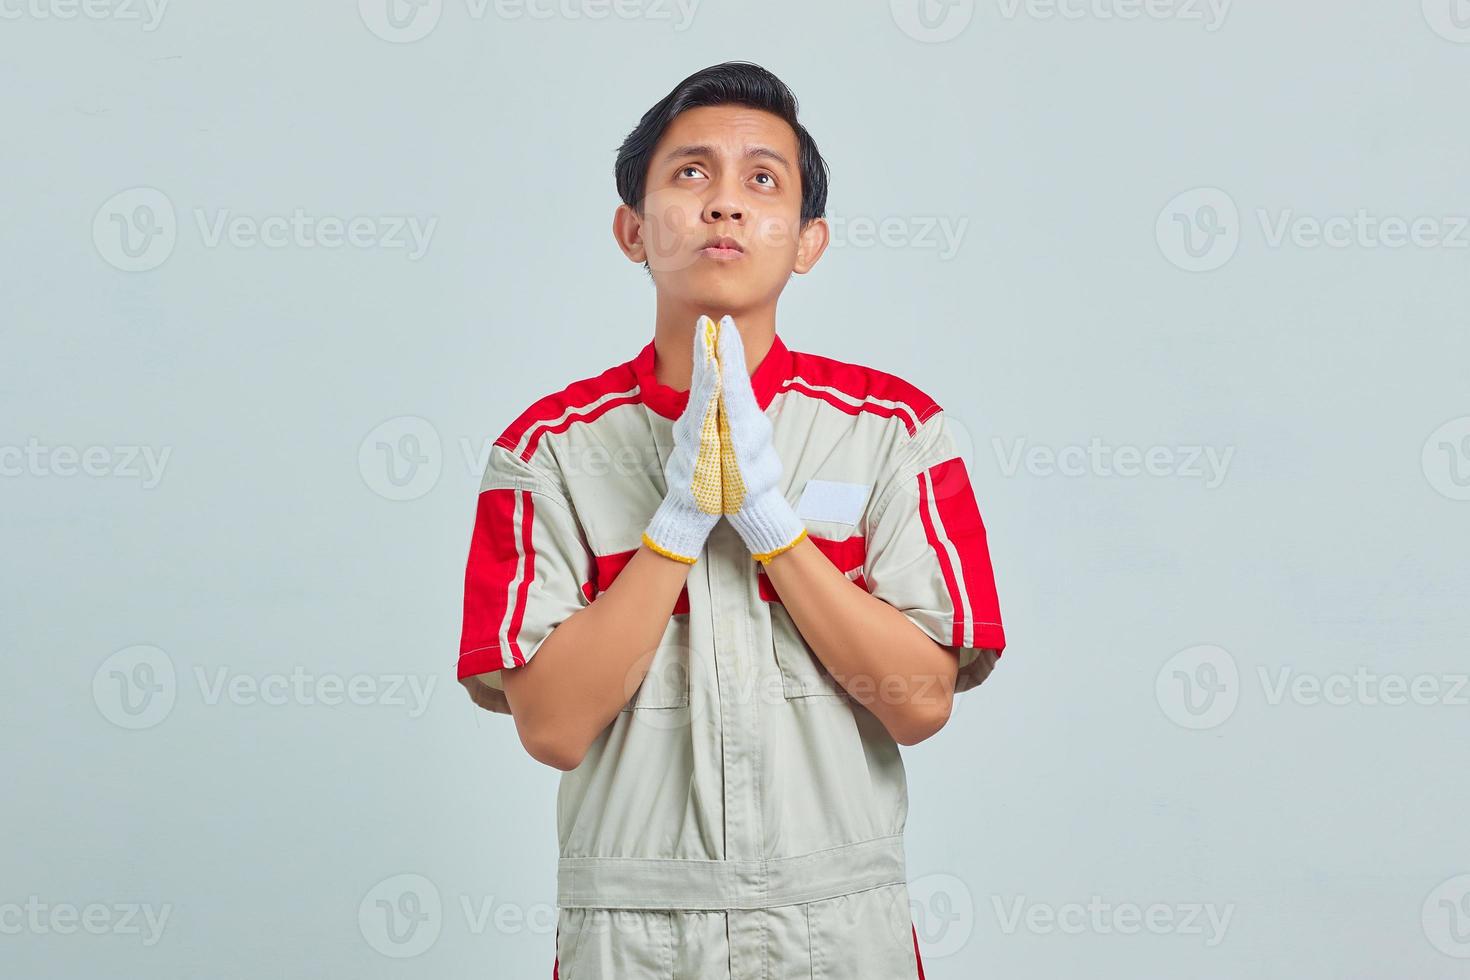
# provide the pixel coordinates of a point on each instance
(743, 816)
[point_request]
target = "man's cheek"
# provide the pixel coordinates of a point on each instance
(774, 234)
(671, 228)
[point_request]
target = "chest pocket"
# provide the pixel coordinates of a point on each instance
(666, 685)
(802, 674)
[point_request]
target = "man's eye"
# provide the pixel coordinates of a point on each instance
(689, 171)
(770, 180)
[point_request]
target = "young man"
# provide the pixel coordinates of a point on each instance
(726, 697)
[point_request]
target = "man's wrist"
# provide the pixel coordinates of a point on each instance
(768, 525)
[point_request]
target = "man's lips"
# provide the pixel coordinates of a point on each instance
(722, 249)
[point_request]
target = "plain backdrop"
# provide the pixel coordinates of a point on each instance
(1192, 279)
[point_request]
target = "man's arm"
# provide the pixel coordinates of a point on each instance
(588, 667)
(878, 655)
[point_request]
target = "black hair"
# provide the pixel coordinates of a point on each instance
(730, 83)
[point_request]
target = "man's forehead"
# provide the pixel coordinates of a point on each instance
(734, 128)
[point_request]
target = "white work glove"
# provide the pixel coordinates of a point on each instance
(749, 467)
(692, 504)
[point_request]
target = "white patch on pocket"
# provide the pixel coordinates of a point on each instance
(833, 500)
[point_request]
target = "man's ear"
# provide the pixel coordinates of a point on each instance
(628, 231)
(813, 242)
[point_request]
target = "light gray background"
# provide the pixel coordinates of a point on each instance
(272, 828)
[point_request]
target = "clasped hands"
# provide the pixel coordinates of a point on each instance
(723, 462)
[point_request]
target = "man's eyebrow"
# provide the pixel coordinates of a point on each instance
(706, 150)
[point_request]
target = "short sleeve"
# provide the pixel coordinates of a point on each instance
(527, 564)
(927, 554)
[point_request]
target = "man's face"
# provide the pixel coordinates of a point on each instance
(720, 222)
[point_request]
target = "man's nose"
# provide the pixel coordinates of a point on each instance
(724, 205)
(722, 211)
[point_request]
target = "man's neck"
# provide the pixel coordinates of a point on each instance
(673, 340)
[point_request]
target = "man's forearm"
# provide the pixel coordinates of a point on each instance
(585, 671)
(874, 651)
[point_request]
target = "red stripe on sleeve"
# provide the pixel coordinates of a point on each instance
(932, 535)
(959, 515)
(528, 521)
(493, 564)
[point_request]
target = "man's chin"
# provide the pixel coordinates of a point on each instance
(718, 295)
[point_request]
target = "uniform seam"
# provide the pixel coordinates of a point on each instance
(905, 469)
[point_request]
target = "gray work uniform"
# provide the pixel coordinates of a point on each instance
(743, 816)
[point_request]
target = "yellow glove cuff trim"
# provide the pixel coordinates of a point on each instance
(767, 556)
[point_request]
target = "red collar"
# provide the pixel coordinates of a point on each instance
(774, 369)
